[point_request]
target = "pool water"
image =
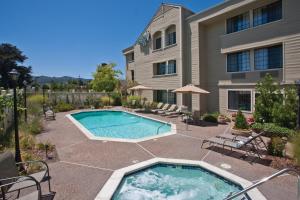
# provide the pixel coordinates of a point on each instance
(118, 124)
(174, 182)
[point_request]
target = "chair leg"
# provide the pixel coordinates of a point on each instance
(49, 185)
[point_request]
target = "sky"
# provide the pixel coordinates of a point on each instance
(70, 37)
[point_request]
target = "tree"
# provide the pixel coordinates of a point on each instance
(285, 112)
(105, 78)
(268, 94)
(274, 105)
(11, 58)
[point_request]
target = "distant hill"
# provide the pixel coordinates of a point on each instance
(64, 79)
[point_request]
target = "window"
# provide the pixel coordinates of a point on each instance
(268, 58)
(238, 62)
(266, 14)
(130, 57)
(158, 43)
(238, 23)
(164, 68)
(160, 68)
(171, 67)
(171, 35)
(164, 96)
(239, 100)
(132, 75)
(157, 40)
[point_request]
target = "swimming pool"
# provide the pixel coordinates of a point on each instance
(169, 181)
(119, 125)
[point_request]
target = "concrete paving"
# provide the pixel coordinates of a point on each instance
(85, 165)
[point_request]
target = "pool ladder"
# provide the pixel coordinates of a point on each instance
(266, 179)
(157, 131)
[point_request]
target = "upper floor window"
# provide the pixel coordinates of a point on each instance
(171, 67)
(268, 58)
(266, 14)
(132, 75)
(160, 68)
(238, 62)
(165, 68)
(157, 40)
(171, 35)
(238, 23)
(130, 57)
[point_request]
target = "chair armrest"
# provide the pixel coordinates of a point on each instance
(20, 179)
(35, 161)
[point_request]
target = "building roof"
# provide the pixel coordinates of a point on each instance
(223, 7)
(162, 8)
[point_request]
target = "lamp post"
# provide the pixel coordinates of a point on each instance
(298, 119)
(14, 74)
(25, 100)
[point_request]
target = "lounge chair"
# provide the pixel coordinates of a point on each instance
(158, 107)
(178, 111)
(9, 174)
(36, 195)
(258, 141)
(164, 108)
(171, 109)
(245, 145)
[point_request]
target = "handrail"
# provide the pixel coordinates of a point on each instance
(157, 131)
(262, 181)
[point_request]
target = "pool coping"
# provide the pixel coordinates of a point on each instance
(111, 185)
(90, 136)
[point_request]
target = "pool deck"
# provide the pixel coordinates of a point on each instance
(85, 165)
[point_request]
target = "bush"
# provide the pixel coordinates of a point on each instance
(35, 126)
(35, 105)
(241, 122)
(63, 107)
(27, 142)
(210, 118)
(131, 99)
(272, 130)
(276, 146)
(116, 99)
(296, 148)
(107, 101)
(257, 127)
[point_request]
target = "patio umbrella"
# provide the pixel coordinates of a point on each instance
(140, 88)
(190, 89)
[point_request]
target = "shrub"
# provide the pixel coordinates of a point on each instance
(27, 142)
(257, 127)
(107, 101)
(210, 118)
(35, 126)
(35, 105)
(63, 107)
(130, 99)
(116, 99)
(34, 167)
(276, 146)
(285, 114)
(42, 146)
(241, 122)
(272, 130)
(296, 148)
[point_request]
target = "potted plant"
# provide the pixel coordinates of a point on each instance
(222, 119)
(241, 126)
(233, 116)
